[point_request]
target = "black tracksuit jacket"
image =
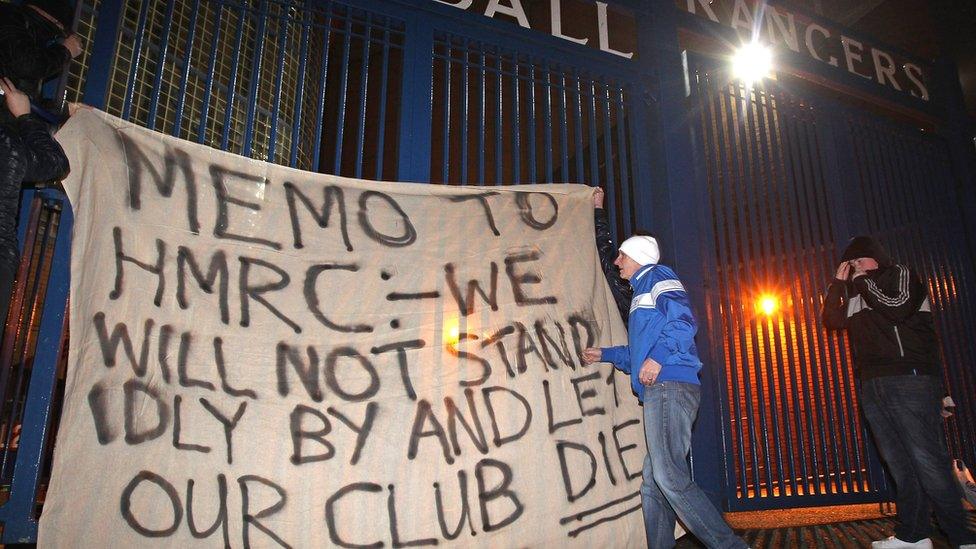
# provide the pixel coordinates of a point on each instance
(888, 320)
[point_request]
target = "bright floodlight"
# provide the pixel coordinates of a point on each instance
(767, 304)
(752, 62)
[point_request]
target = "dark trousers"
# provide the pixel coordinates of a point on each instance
(904, 415)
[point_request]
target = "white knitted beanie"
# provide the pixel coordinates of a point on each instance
(642, 249)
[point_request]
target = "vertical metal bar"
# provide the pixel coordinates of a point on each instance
(578, 133)
(384, 81)
(140, 34)
(60, 94)
(211, 69)
(805, 317)
(13, 332)
(20, 525)
(255, 85)
(323, 81)
(27, 315)
(827, 372)
(797, 263)
(547, 122)
(363, 96)
(623, 115)
(726, 266)
(499, 110)
(738, 176)
(766, 389)
(563, 127)
(530, 103)
(446, 129)
(763, 251)
(803, 183)
(760, 443)
(781, 343)
(103, 52)
(232, 85)
(296, 124)
(415, 123)
(516, 127)
(610, 182)
(886, 187)
(185, 73)
(283, 21)
(716, 139)
(743, 104)
(160, 65)
(868, 184)
(779, 253)
(825, 356)
(876, 215)
(957, 267)
(465, 90)
(834, 351)
(482, 112)
(592, 126)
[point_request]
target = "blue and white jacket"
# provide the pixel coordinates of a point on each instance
(661, 327)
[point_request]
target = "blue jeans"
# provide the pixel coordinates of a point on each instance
(903, 413)
(670, 408)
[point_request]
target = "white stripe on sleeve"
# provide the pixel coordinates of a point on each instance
(897, 300)
(649, 300)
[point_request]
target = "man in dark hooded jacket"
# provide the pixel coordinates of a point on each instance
(886, 311)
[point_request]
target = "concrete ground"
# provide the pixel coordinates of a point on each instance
(847, 527)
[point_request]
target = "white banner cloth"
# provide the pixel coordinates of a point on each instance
(267, 357)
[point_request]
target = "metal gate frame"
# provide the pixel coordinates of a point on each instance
(651, 157)
(845, 168)
(668, 195)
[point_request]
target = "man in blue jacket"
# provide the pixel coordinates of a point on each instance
(663, 364)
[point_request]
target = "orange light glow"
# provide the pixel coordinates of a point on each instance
(767, 304)
(452, 331)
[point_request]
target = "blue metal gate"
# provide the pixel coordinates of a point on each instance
(418, 90)
(381, 90)
(790, 177)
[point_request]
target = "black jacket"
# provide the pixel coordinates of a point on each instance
(28, 153)
(31, 51)
(622, 292)
(888, 320)
(30, 48)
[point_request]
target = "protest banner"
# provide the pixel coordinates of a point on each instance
(261, 356)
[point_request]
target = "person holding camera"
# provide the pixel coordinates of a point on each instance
(36, 43)
(888, 317)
